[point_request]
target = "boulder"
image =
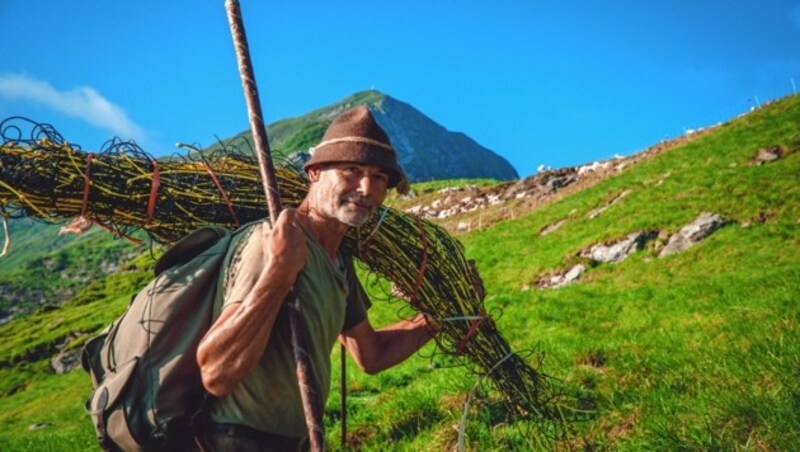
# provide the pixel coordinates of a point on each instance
(694, 232)
(619, 250)
(562, 279)
(66, 361)
(769, 154)
(551, 227)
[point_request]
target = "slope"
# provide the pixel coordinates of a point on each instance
(696, 350)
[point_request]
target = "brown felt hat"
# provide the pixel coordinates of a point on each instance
(355, 136)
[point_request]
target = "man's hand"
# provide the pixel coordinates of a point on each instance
(285, 245)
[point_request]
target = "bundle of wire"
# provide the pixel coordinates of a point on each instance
(124, 189)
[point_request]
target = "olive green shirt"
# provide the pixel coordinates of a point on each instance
(332, 300)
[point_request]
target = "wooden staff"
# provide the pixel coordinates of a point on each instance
(312, 404)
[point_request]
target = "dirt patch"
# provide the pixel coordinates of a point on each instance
(627, 425)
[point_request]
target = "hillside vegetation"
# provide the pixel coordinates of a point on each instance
(43, 268)
(696, 350)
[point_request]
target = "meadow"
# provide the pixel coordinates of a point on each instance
(694, 351)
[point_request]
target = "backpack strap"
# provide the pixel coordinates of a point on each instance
(190, 247)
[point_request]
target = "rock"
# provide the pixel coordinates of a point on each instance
(592, 167)
(769, 154)
(620, 250)
(66, 361)
(446, 213)
(463, 226)
(38, 426)
(562, 279)
(572, 275)
(109, 267)
(416, 210)
(551, 227)
(663, 178)
(703, 226)
(596, 212)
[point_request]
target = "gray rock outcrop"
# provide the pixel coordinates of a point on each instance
(66, 361)
(619, 250)
(703, 226)
(562, 279)
(769, 154)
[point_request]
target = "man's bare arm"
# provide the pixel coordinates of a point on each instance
(375, 351)
(239, 337)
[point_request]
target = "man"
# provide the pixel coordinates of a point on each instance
(246, 359)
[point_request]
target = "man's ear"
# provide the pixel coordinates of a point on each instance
(313, 174)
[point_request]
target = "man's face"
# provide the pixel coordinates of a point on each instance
(349, 192)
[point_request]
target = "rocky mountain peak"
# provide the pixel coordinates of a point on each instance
(426, 149)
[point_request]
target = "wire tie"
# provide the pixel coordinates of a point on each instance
(473, 328)
(87, 181)
(7, 244)
(222, 192)
(151, 204)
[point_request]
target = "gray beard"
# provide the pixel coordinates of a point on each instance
(353, 220)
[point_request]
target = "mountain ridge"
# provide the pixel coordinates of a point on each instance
(426, 149)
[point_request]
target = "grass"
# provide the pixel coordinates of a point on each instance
(43, 266)
(694, 351)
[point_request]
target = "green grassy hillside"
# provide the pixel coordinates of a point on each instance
(43, 268)
(698, 350)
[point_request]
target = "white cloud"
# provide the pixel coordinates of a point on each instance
(83, 102)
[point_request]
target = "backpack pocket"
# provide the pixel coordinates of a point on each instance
(110, 413)
(90, 357)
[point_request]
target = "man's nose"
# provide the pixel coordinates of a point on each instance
(366, 185)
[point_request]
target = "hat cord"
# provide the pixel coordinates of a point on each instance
(355, 140)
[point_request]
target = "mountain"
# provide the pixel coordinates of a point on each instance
(690, 350)
(426, 150)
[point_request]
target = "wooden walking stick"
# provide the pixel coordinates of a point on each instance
(312, 404)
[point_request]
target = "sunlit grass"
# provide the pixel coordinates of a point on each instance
(694, 351)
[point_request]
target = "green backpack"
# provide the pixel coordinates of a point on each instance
(147, 386)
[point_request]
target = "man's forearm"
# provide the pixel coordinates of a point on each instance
(237, 340)
(395, 343)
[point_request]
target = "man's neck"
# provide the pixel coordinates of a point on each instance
(329, 232)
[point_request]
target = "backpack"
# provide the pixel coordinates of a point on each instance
(147, 386)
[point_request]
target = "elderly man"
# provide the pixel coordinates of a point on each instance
(246, 359)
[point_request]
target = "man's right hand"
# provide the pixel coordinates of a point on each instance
(285, 245)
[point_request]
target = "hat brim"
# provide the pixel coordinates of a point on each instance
(360, 153)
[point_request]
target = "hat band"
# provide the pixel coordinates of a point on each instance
(355, 140)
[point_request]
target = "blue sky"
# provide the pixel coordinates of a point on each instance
(540, 83)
